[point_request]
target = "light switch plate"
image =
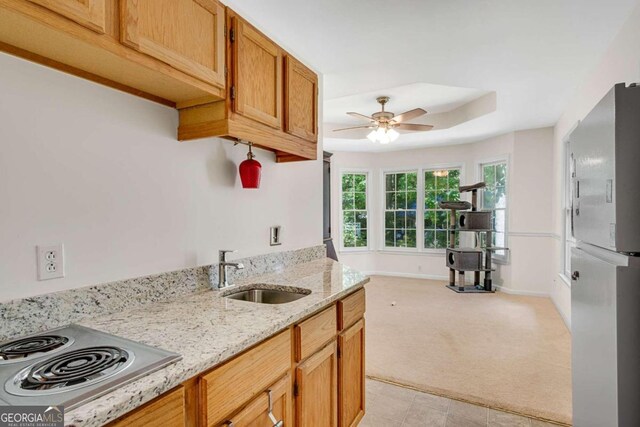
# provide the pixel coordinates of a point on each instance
(275, 236)
(50, 261)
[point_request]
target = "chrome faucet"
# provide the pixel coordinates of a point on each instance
(222, 268)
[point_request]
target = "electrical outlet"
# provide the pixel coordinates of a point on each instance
(275, 236)
(50, 262)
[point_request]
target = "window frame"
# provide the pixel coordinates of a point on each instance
(505, 158)
(368, 209)
(383, 208)
(420, 209)
(436, 167)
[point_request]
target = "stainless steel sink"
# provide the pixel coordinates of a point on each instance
(268, 296)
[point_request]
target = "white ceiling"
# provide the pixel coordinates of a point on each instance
(533, 54)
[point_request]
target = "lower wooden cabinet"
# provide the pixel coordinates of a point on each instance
(315, 371)
(317, 389)
(167, 410)
(351, 375)
(256, 413)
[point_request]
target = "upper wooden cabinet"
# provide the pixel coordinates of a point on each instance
(300, 100)
(258, 91)
(257, 75)
(186, 34)
(90, 13)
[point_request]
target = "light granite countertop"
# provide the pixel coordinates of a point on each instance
(207, 329)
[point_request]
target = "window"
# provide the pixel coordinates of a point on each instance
(494, 198)
(401, 204)
(439, 185)
(354, 210)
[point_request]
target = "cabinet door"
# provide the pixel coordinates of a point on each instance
(89, 13)
(301, 100)
(257, 75)
(169, 408)
(351, 375)
(317, 386)
(186, 34)
(256, 413)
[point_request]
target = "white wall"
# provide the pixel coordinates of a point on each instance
(102, 172)
(530, 223)
(621, 63)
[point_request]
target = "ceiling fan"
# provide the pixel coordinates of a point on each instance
(384, 123)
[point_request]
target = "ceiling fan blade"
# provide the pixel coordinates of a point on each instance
(355, 127)
(413, 126)
(361, 116)
(408, 115)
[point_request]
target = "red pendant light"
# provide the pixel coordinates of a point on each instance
(250, 170)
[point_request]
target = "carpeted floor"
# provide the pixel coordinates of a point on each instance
(503, 351)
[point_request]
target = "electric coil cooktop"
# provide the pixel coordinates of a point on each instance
(72, 365)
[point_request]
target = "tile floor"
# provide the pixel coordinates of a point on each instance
(392, 406)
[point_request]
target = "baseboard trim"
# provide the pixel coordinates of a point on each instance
(504, 289)
(565, 319)
(407, 275)
(511, 291)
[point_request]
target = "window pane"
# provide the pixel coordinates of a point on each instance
(454, 178)
(430, 239)
(349, 217)
(391, 200)
(442, 220)
(347, 182)
(411, 219)
(429, 220)
(441, 239)
(411, 238)
(360, 201)
(361, 219)
(390, 182)
(429, 181)
(361, 239)
(442, 196)
(500, 220)
(360, 182)
(412, 181)
(401, 182)
(348, 237)
(501, 174)
(441, 182)
(388, 238)
(489, 173)
(430, 200)
(347, 200)
(389, 219)
(500, 197)
(400, 219)
(488, 199)
(412, 202)
(401, 200)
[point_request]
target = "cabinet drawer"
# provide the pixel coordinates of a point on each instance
(227, 388)
(351, 309)
(167, 409)
(256, 413)
(314, 333)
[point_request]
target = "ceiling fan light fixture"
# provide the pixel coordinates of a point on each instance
(392, 134)
(372, 136)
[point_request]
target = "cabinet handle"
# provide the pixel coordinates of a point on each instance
(229, 424)
(272, 417)
(575, 275)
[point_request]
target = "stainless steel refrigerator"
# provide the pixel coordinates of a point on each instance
(605, 291)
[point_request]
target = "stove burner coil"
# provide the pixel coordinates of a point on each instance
(74, 367)
(27, 346)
